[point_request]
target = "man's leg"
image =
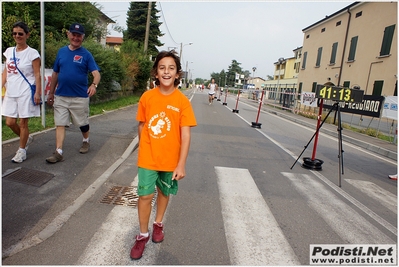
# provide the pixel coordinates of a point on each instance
(59, 136)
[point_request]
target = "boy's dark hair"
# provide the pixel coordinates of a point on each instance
(21, 25)
(162, 55)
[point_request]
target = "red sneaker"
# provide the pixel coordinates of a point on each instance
(138, 247)
(157, 232)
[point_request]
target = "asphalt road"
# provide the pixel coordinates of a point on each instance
(242, 202)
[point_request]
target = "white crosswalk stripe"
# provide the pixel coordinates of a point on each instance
(346, 222)
(112, 242)
(384, 197)
(243, 210)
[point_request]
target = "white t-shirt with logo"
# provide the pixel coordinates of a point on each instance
(16, 85)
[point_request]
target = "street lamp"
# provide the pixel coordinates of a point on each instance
(186, 71)
(181, 48)
(253, 75)
(280, 62)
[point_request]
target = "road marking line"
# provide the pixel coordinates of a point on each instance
(358, 204)
(111, 244)
(339, 190)
(344, 220)
(386, 198)
(253, 234)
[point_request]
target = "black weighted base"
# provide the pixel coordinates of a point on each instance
(256, 125)
(315, 164)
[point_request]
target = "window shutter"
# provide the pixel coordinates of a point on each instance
(387, 40)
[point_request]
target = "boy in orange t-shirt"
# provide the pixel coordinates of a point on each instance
(165, 116)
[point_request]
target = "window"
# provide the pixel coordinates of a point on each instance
(304, 60)
(319, 52)
(296, 67)
(323, 30)
(333, 53)
(347, 84)
(358, 14)
(352, 50)
(307, 36)
(377, 90)
(314, 86)
(338, 23)
(387, 40)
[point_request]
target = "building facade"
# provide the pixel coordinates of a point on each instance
(354, 47)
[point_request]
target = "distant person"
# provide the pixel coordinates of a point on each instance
(21, 70)
(72, 96)
(257, 93)
(213, 87)
(165, 117)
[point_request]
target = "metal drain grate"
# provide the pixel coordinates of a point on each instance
(124, 196)
(28, 176)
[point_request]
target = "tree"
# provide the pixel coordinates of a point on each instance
(231, 72)
(136, 26)
(199, 81)
(137, 66)
(58, 17)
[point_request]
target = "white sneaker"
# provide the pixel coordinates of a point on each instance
(20, 156)
(30, 141)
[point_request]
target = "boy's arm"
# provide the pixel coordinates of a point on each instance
(140, 128)
(180, 171)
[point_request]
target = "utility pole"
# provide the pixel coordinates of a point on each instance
(147, 29)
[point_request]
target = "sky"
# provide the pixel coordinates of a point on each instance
(254, 33)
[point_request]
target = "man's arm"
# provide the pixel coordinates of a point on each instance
(53, 84)
(96, 80)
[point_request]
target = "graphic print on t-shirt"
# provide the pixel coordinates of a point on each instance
(77, 59)
(11, 66)
(157, 125)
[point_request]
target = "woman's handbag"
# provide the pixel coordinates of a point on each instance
(32, 86)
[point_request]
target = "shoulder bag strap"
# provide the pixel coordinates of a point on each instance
(15, 62)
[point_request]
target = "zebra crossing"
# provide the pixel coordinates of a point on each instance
(267, 245)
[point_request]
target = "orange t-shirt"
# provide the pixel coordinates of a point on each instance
(163, 117)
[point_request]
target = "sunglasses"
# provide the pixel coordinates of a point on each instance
(18, 33)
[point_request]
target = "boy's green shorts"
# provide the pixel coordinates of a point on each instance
(149, 178)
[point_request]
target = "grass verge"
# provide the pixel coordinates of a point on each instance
(35, 124)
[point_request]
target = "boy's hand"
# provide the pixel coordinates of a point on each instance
(178, 173)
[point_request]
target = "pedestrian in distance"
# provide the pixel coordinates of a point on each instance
(21, 100)
(213, 87)
(165, 117)
(70, 90)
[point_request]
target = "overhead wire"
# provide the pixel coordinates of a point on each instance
(166, 25)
